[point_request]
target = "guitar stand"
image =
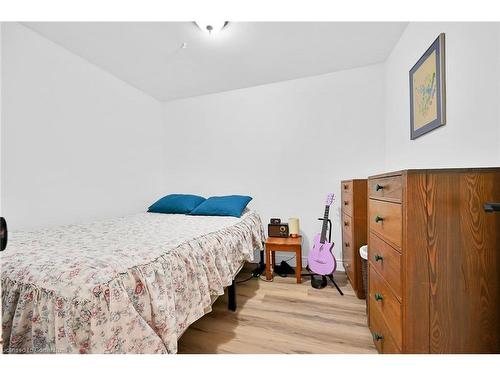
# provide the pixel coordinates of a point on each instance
(330, 276)
(324, 280)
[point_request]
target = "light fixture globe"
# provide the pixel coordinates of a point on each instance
(211, 27)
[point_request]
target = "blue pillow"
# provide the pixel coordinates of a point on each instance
(231, 205)
(176, 204)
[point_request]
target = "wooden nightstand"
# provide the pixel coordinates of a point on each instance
(288, 244)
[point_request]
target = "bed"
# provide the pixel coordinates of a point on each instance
(126, 285)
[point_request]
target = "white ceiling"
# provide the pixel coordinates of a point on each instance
(149, 56)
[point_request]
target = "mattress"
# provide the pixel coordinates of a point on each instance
(125, 285)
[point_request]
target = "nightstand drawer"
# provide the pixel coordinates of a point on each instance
(386, 261)
(384, 218)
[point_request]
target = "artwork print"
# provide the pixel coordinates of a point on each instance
(427, 90)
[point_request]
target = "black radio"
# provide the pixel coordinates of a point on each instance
(277, 229)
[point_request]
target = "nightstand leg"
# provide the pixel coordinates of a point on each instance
(268, 264)
(298, 265)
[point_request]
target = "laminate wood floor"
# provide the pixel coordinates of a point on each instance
(283, 317)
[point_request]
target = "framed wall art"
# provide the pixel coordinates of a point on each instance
(427, 90)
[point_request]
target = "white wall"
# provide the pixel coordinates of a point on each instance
(286, 144)
(471, 136)
(77, 143)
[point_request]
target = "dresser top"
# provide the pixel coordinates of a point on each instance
(353, 180)
(438, 170)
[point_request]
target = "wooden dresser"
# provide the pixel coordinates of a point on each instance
(353, 230)
(434, 261)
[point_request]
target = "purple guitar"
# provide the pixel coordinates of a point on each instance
(320, 258)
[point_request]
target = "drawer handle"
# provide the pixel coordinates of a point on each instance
(491, 207)
(346, 203)
(346, 223)
(378, 297)
(378, 218)
(377, 336)
(346, 244)
(346, 187)
(378, 257)
(378, 187)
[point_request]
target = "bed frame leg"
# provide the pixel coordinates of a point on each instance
(231, 296)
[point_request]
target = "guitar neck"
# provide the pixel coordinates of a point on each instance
(325, 224)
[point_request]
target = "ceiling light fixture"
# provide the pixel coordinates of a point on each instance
(212, 27)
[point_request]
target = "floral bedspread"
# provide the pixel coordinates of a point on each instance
(126, 285)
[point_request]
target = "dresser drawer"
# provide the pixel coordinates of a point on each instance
(347, 223)
(386, 188)
(347, 187)
(386, 261)
(347, 203)
(383, 300)
(381, 336)
(384, 218)
(348, 256)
